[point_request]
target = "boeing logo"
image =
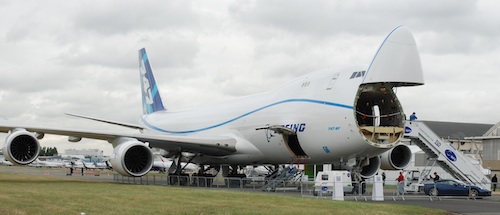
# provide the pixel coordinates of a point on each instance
(296, 127)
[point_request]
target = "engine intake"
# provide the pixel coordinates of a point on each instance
(397, 158)
(131, 157)
(371, 169)
(21, 147)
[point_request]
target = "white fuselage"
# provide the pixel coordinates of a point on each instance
(317, 106)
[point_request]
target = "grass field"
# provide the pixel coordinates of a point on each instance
(29, 194)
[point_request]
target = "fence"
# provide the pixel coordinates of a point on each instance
(204, 182)
(359, 191)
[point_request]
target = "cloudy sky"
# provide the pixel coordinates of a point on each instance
(81, 56)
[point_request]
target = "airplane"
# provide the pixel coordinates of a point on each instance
(75, 164)
(5, 162)
(159, 164)
(96, 165)
(162, 164)
(349, 117)
(46, 163)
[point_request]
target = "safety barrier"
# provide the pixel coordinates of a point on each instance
(361, 191)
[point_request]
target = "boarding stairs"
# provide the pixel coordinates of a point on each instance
(451, 160)
(416, 183)
(424, 174)
(279, 177)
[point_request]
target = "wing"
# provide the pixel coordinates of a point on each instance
(208, 145)
(128, 125)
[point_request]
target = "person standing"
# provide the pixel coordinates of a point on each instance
(401, 183)
(494, 181)
(436, 177)
(383, 178)
(413, 117)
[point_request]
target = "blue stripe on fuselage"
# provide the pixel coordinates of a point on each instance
(246, 114)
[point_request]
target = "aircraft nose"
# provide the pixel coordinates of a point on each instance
(397, 61)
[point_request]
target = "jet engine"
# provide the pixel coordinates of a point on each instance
(397, 158)
(21, 147)
(131, 157)
(370, 167)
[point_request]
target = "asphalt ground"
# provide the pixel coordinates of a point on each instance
(456, 205)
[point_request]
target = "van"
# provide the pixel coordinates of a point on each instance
(325, 181)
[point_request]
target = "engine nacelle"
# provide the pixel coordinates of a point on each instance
(21, 147)
(370, 168)
(397, 158)
(131, 157)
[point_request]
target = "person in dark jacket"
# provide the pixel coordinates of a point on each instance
(383, 178)
(494, 181)
(436, 177)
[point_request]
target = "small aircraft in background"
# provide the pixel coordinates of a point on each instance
(162, 165)
(47, 163)
(96, 165)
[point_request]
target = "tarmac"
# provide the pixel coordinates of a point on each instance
(455, 205)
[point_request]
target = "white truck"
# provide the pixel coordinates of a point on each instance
(323, 185)
(413, 183)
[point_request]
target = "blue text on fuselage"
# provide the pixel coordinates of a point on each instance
(299, 127)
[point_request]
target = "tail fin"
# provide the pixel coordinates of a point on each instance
(151, 100)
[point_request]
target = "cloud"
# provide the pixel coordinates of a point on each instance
(81, 57)
(322, 18)
(111, 17)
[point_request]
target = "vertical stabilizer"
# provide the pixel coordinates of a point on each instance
(151, 100)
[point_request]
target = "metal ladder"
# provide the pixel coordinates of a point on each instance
(451, 160)
(279, 178)
(427, 169)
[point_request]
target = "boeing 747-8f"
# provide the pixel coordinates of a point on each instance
(349, 117)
